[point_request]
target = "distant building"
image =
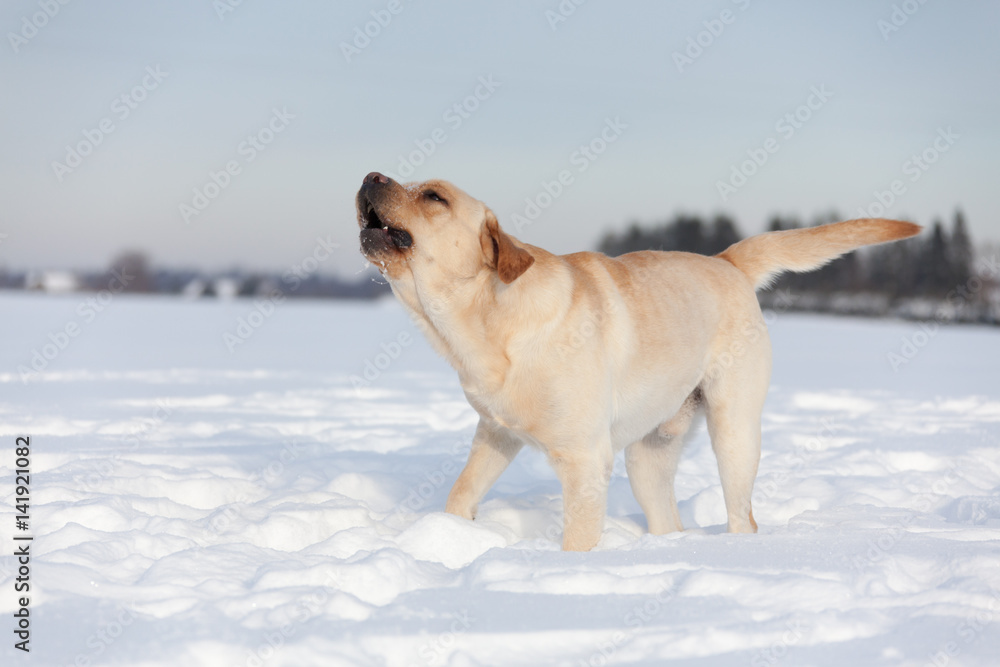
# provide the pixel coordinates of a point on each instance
(57, 282)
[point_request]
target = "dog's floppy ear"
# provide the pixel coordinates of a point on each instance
(509, 260)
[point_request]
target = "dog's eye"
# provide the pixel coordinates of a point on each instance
(433, 196)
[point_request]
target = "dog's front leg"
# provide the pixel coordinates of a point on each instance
(493, 448)
(585, 477)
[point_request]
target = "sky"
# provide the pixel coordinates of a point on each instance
(234, 134)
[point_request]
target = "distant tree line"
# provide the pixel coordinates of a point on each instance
(131, 272)
(930, 265)
(685, 232)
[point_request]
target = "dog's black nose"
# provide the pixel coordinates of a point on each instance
(376, 177)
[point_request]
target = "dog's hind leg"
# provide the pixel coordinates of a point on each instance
(652, 465)
(734, 400)
(493, 448)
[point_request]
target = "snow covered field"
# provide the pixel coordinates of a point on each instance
(193, 505)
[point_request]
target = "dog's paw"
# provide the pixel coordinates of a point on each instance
(458, 509)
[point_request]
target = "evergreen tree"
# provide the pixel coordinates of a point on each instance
(934, 270)
(724, 234)
(960, 250)
(688, 234)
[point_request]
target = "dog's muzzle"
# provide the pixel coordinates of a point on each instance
(377, 235)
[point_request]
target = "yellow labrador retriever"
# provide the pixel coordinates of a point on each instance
(583, 355)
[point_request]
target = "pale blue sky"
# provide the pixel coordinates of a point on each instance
(225, 76)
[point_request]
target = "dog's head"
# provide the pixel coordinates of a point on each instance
(434, 231)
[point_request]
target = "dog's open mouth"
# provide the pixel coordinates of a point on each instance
(373, 224)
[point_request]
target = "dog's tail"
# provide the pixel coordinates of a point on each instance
(762, 258)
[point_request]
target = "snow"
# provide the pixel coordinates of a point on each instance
(196, 506)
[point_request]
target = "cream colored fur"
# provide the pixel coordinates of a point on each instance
(583, 355)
